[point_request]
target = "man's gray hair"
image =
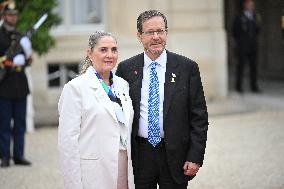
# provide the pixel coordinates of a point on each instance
(144, 16)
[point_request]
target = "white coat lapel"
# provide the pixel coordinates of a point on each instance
(100, 93)
(121, 94)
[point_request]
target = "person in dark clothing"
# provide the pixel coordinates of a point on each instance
(245, 31)
(15, 55)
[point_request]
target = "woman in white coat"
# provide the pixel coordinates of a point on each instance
(95, 118)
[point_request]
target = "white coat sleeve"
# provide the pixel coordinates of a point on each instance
(69, 107)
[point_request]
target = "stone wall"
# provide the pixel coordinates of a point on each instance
(196, 30)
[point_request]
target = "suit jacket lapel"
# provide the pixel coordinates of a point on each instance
(135, 84)
(171, 80)
(100, 93)
(137, 72)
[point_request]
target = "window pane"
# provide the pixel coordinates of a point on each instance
(59, 9)
(53, 75)
(86, 11)
(71, 71)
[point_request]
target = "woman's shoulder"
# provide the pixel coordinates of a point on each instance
(76, 82)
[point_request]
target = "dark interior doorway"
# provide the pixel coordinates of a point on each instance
(271, 39)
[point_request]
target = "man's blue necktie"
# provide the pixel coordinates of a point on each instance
(154, 136)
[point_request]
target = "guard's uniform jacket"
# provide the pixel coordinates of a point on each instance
(15, 84)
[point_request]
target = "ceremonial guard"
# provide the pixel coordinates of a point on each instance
(15, 55)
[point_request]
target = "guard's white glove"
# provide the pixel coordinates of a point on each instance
(19, 60)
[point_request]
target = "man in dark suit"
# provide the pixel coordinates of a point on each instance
(170, 123)
(245, 32)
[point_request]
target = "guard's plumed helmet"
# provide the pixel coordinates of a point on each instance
(8, 7)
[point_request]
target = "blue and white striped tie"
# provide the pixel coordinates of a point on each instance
(154, 136)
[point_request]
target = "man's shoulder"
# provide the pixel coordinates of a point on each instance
(180, 59)
(3, 32)
(77, 81)
(132, 59)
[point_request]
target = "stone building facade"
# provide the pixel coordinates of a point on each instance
(196, 30)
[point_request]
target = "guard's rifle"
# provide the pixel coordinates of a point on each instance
(15, 48)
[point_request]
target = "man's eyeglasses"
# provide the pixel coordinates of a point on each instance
(151, 33)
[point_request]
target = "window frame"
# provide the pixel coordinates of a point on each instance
(68, 28)
(63, 73)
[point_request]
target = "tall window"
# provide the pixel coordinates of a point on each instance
(80, 15)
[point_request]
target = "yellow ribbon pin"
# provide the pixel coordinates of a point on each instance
(173, 78)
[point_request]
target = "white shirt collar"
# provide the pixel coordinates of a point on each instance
(161, 60)
(249, 14)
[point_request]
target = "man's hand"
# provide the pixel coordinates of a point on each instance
(190, 169)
